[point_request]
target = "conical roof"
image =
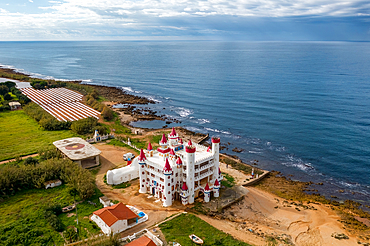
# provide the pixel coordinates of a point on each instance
(173, 133)
(172, 152)
(164, 139)
(167, 167)
(150, 146)
(179, 161)
(142, 156)
(190, 143)
(207, 187)
(184, 186)
(217, 183)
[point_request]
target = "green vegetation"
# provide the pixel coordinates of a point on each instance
(14, 178)
(22, 217)
(8, 93)
(23, 136)
(179, 229)
(229, 182)
(239, 165)
(120, 129)
(116, 142)
(46, 120)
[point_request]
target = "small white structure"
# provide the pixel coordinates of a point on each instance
(174, 171)
(15, 106)
(105, 201)
(79, 151)
(116, 218)
(52, 183)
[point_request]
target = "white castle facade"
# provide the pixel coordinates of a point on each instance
(174, 171)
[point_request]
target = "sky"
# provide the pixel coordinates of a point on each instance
(250, 20)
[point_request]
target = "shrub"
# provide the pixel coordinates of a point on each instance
(30, 161)
(8, 97)
(84, 126)
(107, 113)
(4, 89)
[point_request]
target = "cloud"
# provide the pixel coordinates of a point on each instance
(98, 18)
(30, 1)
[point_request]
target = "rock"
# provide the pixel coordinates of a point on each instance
(339, 236)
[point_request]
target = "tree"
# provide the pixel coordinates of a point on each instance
(84, 126)
(30, 161)
(107, 113)
(3, 89)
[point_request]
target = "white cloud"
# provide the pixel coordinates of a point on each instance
(82, 17)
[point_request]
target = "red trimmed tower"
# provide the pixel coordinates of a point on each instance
(163, 149)
(184, 194)
(142, 171)
(207, 193)
(150, 150)
(216, 158)
(167, 192)
(216, 189)
(173, 137)
(190, 162)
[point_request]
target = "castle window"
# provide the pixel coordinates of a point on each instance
(171, 180)
(177, 174)
(168, 177)
(168, 184)
(169, 192)
(161, 179)
(143, 180)
(143, 173)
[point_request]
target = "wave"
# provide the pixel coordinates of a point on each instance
(183, 112)
(218, 131)
(298, 163)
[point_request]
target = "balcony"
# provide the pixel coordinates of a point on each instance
(202, 176)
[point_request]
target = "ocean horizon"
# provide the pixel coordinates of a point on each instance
(301, 108)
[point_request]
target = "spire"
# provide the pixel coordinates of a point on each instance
(181, 142)
(179, 161)
(207, 187)
(209, 149)
(190, 143)
(184, 186)
(142, 155)
(150, 146)
(167, 167)
(164, 139)
(172, 152)
(173, 133)
(217, 183)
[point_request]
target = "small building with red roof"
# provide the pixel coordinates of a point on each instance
(115, 219)
(142, 241)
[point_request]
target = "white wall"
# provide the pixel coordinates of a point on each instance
(119, 226)
(104, 227)
(123, 174)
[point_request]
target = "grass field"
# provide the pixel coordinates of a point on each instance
(179, 229)
(22, 219)
(21, 135)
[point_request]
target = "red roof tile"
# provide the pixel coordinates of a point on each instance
(142, 241)
(164, 139)
(173, 133)
(142, 155)
(179, 161)
(111, 215)
(167, 167)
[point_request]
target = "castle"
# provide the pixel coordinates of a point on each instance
(174, 171)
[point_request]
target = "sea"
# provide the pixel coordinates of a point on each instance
(301, 108)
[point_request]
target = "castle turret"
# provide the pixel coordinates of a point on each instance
(142, 172)
(167, 191)
(172, 155)
(216, 189)
(179, 162)
(190, 162)
(216, 157)
(173, 137)
(150, 150)
(207, 193)
(163, 149)
(184, 194)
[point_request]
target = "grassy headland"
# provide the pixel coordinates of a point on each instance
(21, 135)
